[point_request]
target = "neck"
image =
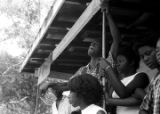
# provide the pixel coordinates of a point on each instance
(83, 106)
(128, 72)
(94, 61)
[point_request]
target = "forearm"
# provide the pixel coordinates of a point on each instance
(131, 101)
(113, 27)
(115, 34)
(116, 83)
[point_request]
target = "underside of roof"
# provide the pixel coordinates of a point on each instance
(61, 23)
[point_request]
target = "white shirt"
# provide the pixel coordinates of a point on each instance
(92, 109)
(124, 109)
(64, 107)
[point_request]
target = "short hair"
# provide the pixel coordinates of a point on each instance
(99, 40)
(130, 55)
(57, 88)
(87, 87)
(142, 44)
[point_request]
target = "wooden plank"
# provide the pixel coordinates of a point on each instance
(47, 22)
(90, 11)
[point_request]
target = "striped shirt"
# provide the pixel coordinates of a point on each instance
(151, 102)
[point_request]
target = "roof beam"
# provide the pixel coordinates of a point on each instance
(47, 22)
(86, 16)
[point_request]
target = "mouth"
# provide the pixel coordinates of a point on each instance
(150, 65)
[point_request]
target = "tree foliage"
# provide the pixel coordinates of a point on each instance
(23, 18)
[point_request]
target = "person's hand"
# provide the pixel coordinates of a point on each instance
(104, 64)
(107, 98)
(44, 86)
(105, 5)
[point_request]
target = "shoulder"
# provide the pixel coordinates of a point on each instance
(142, 76)
(101, 112)
(142, 79)
(80, 71)
(98, 109)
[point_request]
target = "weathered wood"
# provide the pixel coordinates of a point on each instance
(51, 15)
(91, 10)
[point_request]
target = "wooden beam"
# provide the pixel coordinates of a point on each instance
(55, 30)
(40, 55)
(28, 70)
(47, 46)
(79, 1)
(71, 61)
(47, 22)
(50, 41)
(87, 15)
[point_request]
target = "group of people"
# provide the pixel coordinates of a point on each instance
(125, 89)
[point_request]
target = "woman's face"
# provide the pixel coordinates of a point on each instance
(148, 56)
(74, 99)
(94, 48)
(122, 63)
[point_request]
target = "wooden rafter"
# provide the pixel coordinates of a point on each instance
(86, 16)
(51, 15)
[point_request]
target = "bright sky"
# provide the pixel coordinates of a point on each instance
(4, 21)
(11, 46)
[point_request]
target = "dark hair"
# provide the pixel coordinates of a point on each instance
(58, 90)
(99, 40)
(137, 46)
(130, 55)
(87, 87)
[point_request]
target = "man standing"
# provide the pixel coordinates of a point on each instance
(151, 102)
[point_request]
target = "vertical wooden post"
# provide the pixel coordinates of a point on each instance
(104, 52)
(37, 101)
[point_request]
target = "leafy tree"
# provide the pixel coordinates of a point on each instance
(25, 17)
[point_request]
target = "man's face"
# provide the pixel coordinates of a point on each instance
(94, 49)
(148, 55)
(158, 51)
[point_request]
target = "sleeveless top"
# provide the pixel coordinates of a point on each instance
(92, 109)
(124, 109)
(64, 107)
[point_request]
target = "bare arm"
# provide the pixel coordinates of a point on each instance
(115, 35)
(139, 93)
(126, 91)
(101, 112)
(113, 28)
(130, 101)
(62, 85)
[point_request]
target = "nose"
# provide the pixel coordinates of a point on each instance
(157, 50)
(145, 58)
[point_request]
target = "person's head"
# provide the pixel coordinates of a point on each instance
(147, 54)
(84, 89)
(95, 48)
(158, 51)
(127, 60)
(56, 90)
